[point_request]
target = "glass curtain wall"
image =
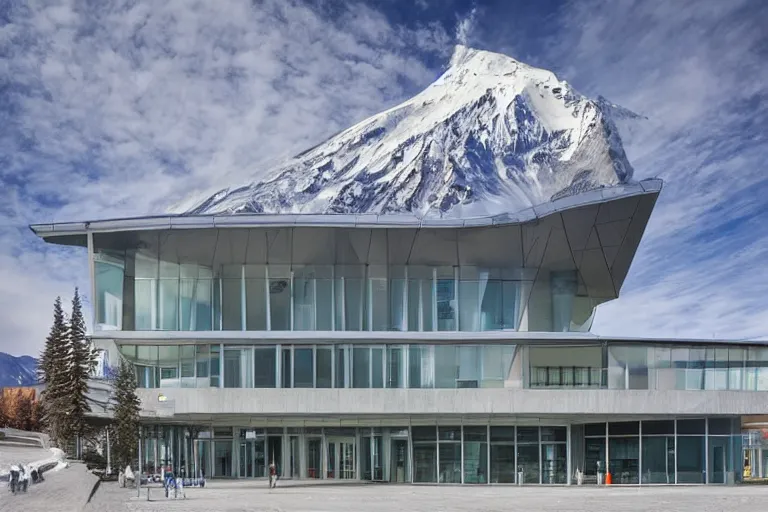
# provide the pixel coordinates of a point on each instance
(443, 366)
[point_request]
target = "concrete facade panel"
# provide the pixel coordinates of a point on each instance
(360, 402)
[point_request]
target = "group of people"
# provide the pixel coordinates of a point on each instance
(21, 476)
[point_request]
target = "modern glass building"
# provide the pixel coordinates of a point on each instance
(392, 348)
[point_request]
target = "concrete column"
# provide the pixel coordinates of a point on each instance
(243, 299)
(675, 450)
(462, 453)
(92, 274)
(129, 292)
(568, 447)
(640, 455)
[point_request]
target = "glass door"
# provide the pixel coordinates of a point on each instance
(246, 460)
(295, 457)
(399, 471)
(202, 449)
(347, 460)
(314, 457)
(341, 459)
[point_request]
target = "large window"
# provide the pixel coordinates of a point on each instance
(264, 367)
(658, 452)
(426, 366)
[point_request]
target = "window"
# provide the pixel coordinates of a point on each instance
(361, 367)
(264, 367)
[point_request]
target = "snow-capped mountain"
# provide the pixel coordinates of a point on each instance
(490, 135)
(17, 371)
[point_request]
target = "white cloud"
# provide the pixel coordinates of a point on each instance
(465, 27)
(697, 70)
(124, 108)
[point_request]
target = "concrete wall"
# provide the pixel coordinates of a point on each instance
(330, 402)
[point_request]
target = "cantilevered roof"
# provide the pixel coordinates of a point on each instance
(73, 233)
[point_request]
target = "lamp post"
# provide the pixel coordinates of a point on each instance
(138, 473)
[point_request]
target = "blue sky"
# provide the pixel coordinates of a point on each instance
(123, 108)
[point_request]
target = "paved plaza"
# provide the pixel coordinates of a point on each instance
(252, 496)
(68, 490)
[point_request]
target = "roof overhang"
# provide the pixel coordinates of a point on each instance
(74, 233)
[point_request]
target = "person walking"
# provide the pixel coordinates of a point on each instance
(272, 475)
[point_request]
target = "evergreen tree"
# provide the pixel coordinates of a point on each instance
(54, 371)
(37, 416)
(45, 367)
(81, 364)
(23, 411)
(125, 431)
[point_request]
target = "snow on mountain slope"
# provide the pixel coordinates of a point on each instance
(17, 371)
(490, 135)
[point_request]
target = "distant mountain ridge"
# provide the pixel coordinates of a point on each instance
(17, 371)
(491, 135)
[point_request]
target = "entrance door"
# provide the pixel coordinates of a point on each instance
(275, 452)
(246, 460)
(399, 461)
(341, 459)
(252, 458)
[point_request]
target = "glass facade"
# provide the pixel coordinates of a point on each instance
(447, 366)
(361, 280)
(672, 366)
(634, 452)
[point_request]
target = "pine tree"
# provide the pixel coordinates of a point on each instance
(45, 367)
(125, 438)
(37, 416)
(53, 369)
(23, 412)
(82, 362)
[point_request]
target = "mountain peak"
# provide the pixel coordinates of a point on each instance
(490, 135)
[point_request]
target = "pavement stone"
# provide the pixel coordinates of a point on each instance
(254, 496)
(66, 490)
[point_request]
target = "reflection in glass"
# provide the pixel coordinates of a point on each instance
(265, 367)
(690, 459)
(377, 367)
(222, 458)
(256, 303)
(624, 461)
(658, 459)
(280, 304)
(554, 468)
(233, 377)
(361, 366)
(354, 301)
(303, 375)
(475, 455)
(108, 279)
(450, 463)
(395, 367)
(424, 462)
(324, 356)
